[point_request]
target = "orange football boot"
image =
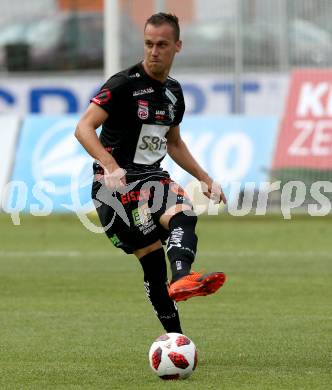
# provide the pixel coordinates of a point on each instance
(196, 284)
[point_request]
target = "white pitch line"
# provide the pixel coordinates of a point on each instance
(48, 253)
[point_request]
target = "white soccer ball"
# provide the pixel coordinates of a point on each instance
(173, 356)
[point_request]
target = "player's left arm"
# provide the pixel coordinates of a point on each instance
(179, 152)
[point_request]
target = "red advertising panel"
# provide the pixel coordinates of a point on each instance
(305, 135)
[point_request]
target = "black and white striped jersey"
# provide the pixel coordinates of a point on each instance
(141, 111)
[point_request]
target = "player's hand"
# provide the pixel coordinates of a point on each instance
(115, 177)
(213, 190)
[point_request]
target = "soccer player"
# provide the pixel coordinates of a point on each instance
(138, 204)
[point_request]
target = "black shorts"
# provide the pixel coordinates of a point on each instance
(130, 218)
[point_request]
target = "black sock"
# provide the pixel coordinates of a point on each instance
(155, 283)
(182, 243)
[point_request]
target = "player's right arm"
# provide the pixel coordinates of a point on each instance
(86, 134)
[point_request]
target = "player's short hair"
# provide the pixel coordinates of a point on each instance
(162, 18)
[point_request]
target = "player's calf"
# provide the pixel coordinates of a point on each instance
(156, 287)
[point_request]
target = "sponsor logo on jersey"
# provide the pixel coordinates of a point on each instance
(141, 215)
(135, 196)
(153, 143)
(103, 97)
(160, 115)
(143, 91)
(115, 240)
(135, 75)
(170, 96)
(143, 109)
(142, 218)
(171, 111)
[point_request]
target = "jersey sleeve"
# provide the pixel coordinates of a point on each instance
(180, 109)
(111, 93)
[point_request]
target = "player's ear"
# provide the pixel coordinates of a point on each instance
(178, 45)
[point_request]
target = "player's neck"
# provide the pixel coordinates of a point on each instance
(162, 77)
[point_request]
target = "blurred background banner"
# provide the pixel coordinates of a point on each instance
(246, 66)
(9, 127)
(52, 172)
(236, 148)
(306, 132)
(262, 94)
(303, 149)
(51, 95)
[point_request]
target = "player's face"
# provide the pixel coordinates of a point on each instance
(160, 47)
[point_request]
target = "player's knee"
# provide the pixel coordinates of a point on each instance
(140, 253)
(186, 218)
(154, 266)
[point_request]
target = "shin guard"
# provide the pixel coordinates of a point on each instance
(182, 243)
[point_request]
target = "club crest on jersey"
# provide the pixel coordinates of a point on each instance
(143, 109)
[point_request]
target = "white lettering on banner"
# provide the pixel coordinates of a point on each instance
(228, 157)
(311, 100)
(314, 138)
(239, 144)
(304, 139)
(322, 140)
(198, 147)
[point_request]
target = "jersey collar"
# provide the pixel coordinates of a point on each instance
(151, 79)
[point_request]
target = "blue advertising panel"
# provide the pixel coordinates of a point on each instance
(53, 172)
(234, 148)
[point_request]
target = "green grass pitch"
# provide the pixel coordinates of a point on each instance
(74, 315)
